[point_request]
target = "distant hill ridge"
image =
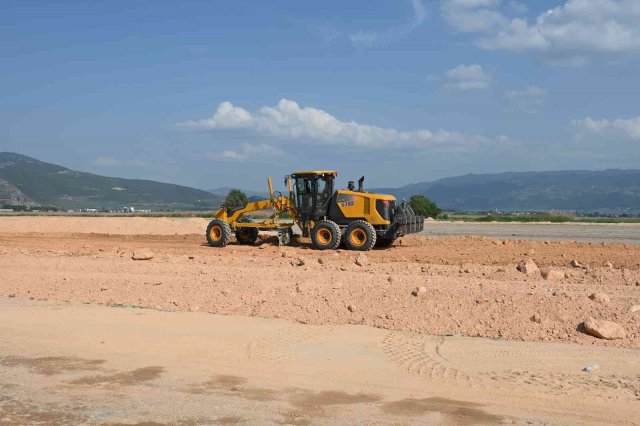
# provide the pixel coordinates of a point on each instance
(25, 180)
(606, 191)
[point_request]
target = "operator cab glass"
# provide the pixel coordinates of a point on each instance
(313, 192)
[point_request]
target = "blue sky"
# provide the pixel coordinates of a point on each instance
(211, 93)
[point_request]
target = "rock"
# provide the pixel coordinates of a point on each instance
(537, 318)
(600, 298)
(419, 292)
(362, 260)
(552, 274)
(576, 264)
(528, 267)
(351, 308)
(337, 285)
(298, 261)
(191, 257)
(608, 264)
(603, 329)
(262, 247)
(142, 254)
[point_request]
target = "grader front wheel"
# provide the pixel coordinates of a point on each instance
(218, 233)
(247, 235)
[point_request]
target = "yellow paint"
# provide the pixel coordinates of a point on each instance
(362, 205)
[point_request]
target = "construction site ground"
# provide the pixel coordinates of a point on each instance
(291, 335)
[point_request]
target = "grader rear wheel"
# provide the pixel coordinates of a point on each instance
(360, 235)
(326, 235)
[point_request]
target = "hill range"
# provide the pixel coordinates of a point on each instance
(27, 181)
(606, 191)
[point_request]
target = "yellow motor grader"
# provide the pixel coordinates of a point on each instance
(358, 219)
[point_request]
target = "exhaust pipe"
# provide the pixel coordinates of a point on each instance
(360, 184)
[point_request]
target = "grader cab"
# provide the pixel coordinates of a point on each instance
(360, 220)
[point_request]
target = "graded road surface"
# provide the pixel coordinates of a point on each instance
(482, 343)
(588, 232)
(87, 364)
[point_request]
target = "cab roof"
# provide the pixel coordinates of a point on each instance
(316, 172)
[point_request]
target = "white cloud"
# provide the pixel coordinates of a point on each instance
(106, 162)
(467, 77)
(629, 127)
(472, 15)
(247, 151)
(527, 98)
(575, 30)
(374, 38)
(288, 121)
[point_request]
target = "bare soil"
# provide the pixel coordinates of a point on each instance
(472, 285)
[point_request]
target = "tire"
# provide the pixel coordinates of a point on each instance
(360, 235)
(326, 235)
(218, 233)
(247, 235)
(384, 242)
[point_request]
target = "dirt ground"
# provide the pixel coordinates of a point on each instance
(69, 363)
(472, 285)
(308, 337)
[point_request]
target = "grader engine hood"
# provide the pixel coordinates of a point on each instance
(380, 210)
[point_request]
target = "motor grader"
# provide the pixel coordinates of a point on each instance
(360, 220)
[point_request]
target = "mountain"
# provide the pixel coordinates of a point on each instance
(27, 181)
(224, 190)
(606, 191)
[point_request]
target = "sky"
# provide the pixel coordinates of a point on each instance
(213, 93)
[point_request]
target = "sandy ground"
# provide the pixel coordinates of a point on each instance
(86, 364)
(472, 289)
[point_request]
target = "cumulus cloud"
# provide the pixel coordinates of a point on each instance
(374, 38)
(467, 77)
(106, 162)
(576, 29)
(246, 151)
(288, 121)
(527, 98)
(629, 127)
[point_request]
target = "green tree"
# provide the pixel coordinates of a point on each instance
(423, 206)
(235, 199)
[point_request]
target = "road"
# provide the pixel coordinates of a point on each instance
(607, 233)
(66, 363)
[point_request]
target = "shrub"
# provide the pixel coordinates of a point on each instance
(423, 206)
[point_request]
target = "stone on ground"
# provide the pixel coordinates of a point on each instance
(600, 298)
(142, 254)
(362, 260)
(528, 267)
(603, 329)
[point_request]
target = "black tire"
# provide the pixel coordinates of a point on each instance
(326, 235)
(218, 233)
(384, 242)
(246, 235)
(360, 235)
